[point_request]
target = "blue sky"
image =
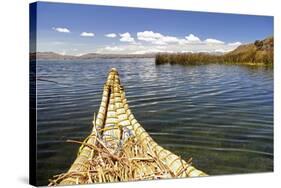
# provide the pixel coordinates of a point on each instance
(78, 29)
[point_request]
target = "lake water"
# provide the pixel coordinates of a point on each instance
(220, 115)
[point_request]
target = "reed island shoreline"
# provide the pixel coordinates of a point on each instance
(261, 52)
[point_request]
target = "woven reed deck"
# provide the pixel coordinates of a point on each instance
(119, 148)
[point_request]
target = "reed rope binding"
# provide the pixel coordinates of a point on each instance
(119, 148)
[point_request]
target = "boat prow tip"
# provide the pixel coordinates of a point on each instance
(113, 69)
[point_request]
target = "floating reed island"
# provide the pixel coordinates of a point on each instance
(258, 53)
(119, 149)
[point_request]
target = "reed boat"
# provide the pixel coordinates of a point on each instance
(119, 148)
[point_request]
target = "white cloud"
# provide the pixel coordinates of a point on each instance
(146, 51)
(170, 39)
(153, 42)
(126, 37)
(142, 48)
(160, 39)
(159, 42)
(186, 51)
(222, 50)
(128, 48)
(148, 42)
(111, 35)
(192, 38)
(234, 43)
(160, 47)
(213, 41)
(156, 38)
(87, 34)
(61, 29)
(149, 36)
(113, 48)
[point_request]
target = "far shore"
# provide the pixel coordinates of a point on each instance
(89, 56)
(257, 53)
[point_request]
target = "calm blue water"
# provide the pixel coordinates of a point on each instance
(220, 115)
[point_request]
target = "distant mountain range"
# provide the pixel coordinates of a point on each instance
(56, 56)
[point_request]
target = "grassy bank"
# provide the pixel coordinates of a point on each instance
(257, 53)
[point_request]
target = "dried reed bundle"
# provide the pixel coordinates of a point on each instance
(119, 149)
(132, 161)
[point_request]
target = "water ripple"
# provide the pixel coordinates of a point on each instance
(222, 116)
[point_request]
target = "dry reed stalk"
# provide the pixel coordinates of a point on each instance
(119, 149)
